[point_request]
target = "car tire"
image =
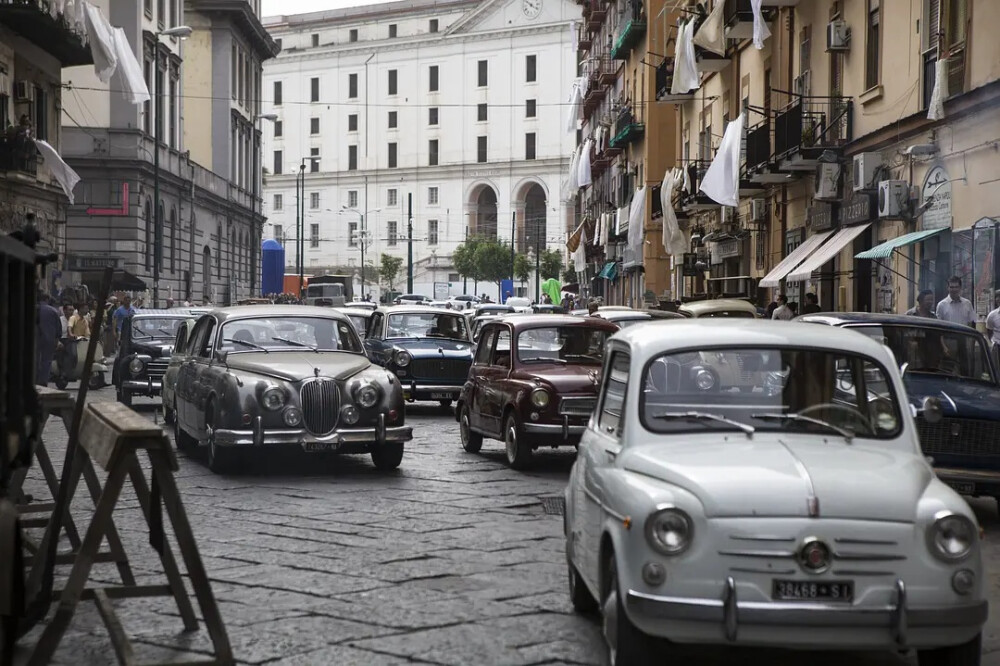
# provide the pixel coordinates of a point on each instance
(125, 397)
(182, 440)
(472, 442)
(627, 645)
(518, 453)
(388, 456)
(581, 598)
(966, 654)
(220, 461)
(445, 404)
(168, 415)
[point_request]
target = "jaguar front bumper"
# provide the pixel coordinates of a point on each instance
(148, 386)
(342, 438)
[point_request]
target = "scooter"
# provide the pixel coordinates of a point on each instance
(98, 378)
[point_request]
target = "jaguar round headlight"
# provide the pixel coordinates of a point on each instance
(402, 359)
(367, 395)
(273, 398)
(350, 414)
(669, 531)
(540, 398)
(135, 366)
(292, 416)
(951, 537)
(704, 379)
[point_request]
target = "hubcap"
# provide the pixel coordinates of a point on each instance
(511, 444)
(610, 613)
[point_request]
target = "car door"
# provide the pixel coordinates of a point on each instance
(598, 451)
(374, 343)
(190, 378)
(493, 390)
(177, 357)
(477, 373)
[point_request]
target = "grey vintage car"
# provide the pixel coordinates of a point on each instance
(289, 376)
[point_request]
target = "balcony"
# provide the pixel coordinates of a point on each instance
(18, 154)
(633, 27)
(807, 127)
(759, 168)
(627, 129)
(594, 13)
(584, 40)
(664, 78)
(739, 19)
(697, 201)
(31, 20)
(707, 61)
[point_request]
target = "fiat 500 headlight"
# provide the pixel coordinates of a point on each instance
(367, 395)
(951, 537)
(669, 531)
(540, 398)
(273, 398)
(402, 359)
(135, 366)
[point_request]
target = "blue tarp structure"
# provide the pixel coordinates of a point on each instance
(272, 267)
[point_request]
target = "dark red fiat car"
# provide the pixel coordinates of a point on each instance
(533, 383)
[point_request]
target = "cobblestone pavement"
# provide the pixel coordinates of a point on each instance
(450, 560)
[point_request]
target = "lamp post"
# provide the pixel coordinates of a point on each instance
(300, 223)
(255, 174)
(362, 238)
(181, 31)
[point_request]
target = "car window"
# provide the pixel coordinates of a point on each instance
(289, 333)
(613, 394)
(146, 328)
(485, 347)
(201, 337)
(375, 326)
(562, 344)
(934, 351)
(428, 325)
(501, 354)
(180, 342)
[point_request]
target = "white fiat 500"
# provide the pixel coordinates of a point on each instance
(787, 505)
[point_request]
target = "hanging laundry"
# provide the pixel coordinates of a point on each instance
(687, 180)
(129, 73)
(577, 90)
(711, 36)
(722, 180)
(573, 184)
(102, 43)
(760, 29)
(685, 72)
(580, 255)
(606, 228)
(573, 241)
(64, 175)
(636, 217)
(597, 229)
(674, 242)
(583, 172)
(935, 110)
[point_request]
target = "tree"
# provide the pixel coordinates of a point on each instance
(569, 276)
(522, 268)
(551, 264)
(389, 269)
(492, 262)
(464, 260)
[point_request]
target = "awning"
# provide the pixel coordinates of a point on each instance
(609, 271)
(797, 256)
(887, 248)
(826, 252)
(120, 280)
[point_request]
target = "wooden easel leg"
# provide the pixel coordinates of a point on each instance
(192, 560)
(52, 480)
(167, 558)
(48, 643)
(114, 540)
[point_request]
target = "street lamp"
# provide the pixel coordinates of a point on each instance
(362, 237)
(183, 32)
(255, 192)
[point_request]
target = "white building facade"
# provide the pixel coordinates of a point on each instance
(458, 105)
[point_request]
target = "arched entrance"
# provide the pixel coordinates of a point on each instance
(534, 219)
(484, 213)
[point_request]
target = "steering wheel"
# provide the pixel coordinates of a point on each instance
(852, 411)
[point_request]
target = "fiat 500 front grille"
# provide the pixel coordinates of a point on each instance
(320, 400)
(582, 406)
(448, 369)
(968, 437)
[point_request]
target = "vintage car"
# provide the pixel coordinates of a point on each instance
(950, 362)
(798, 513)
(359, 317)
(144, 349)
(538, 391)
(719, 307)
(177, 358)
(626, 318)
(285, 376)
(428, 349)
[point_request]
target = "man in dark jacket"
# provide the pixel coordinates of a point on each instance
(49, 331)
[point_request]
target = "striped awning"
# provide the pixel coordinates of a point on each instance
(887, 248)
(796, 257)
(826, 252)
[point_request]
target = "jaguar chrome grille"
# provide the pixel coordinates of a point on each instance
(970, 437)
(157, 367)
(448, 369)
(577, 406)
(320, 400)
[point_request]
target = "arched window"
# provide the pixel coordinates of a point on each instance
(173, 238)
(149, 234)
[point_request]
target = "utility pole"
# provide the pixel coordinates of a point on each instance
(409, 240)
(513, 224)
(538, 263)
(300, 225)
(364, 240)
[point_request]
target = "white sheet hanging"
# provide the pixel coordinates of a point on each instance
(722, 180)
(583, 178)
(935, 110)
(760, 29)
(597, 228)
(685, 72)
(577, 91)
(61, 171)
(129, 73)
(580, 255)
(102, 43)
(711, 36)
(606, 228)
(687, 180)
(636, 217)
(621, 219)
(674, 242)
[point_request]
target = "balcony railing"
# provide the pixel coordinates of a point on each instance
(55, 35)
(627, 128)
(809, 125)
(594, 13)
(632, 27)
(758, 146)
(739, 18)
(664, 79)
(18, 153)
(696, 200)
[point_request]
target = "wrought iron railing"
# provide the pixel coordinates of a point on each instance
(813, 122)
(18, 153)
(758, 145)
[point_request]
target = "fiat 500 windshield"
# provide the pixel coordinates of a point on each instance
(149, 327)
(935, 351)
(561, 344)
(427, 325)
(813, 391)
(289, 333)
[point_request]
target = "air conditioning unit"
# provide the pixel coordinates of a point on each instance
(827, 181)
(24, 91)
(727, 215)
(758, 210)
(800, 86)
(893, 198)
(865, 166)
(838, 36)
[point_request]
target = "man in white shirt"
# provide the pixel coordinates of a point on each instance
(993, 323)
(782, 312)
(954, 308)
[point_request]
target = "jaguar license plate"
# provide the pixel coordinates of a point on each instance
(804, 590)
(440, 396)
(318, 447)
(963, 487)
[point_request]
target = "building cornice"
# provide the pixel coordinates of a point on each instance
(365, 14)
(244, 16)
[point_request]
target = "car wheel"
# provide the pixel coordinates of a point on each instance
(220, 460)
(518, 454)
(627, 645)
(471, 441)
(581, 598)
(182, 440)
(966, 654)
(125, 397)
(445, 403)
(388, 456)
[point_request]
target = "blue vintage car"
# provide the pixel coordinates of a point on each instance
(428, 349)
(952, 363)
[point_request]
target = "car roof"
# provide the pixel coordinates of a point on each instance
(276, 310)
(720, 332)
(713, 304)
(526, 321)
(179, 313)
(873, 318)
(416, 309)
(354, 312)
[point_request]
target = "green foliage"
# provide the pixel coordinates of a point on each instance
(389, 269)
(522, 267)
(551, 264)
(492, 259)
(569, 276)
(464, 259)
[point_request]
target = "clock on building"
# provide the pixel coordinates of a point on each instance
(531, 8)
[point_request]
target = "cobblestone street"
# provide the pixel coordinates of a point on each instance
(453, 559)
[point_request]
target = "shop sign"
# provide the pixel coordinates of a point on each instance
(690, 268)
(726, 250)
(820, 216)
(85, 262)
(859, 209)
(937, 187)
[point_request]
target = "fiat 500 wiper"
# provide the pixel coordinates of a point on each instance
(706, 416)
(296, 343)
(843, 432)
(245, 343)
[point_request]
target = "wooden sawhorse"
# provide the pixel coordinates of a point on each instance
(111, 435)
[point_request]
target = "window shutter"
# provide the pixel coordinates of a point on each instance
(932, 25)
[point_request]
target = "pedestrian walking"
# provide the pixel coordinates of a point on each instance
(782, 312)
(924, 306)
(49, 330)
(954, 307)
(812, 304)
(993, 326)
(123, 311)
